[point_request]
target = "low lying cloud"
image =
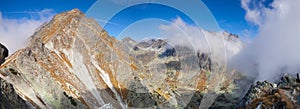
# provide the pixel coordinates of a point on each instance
(15, 32)
(180, 33)
(276, 49)
(221, 45)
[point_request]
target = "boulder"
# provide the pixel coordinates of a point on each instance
(3, 53)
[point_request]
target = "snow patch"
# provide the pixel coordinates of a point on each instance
(81, 71)
(106, 79)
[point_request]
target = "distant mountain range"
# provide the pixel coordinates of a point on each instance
(72, 62)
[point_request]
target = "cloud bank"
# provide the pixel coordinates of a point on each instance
(15, 32)
(221, 45)
(276, 48)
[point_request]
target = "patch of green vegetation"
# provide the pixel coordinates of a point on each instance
(208, 74)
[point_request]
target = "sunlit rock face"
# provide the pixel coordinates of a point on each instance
(71, 62)
(8, 97)
(284, 94)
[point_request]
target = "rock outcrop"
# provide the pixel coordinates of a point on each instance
(9, 98)
(266, 95)
(3, 53)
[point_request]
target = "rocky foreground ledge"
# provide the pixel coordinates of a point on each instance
(266, 95)
(9, 98)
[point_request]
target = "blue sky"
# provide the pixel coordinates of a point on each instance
(228, 13)
(140, 12)
(18, 8)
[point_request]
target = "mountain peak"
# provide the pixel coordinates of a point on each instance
(65, 65)
(74, 13)
(59, 23)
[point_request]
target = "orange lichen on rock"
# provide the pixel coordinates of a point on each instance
(49, 32)
(165, 95)
(268, 100)
(119, 87)
(62, 79)
(173, 81)
(134, 67)
(110, 44)
(59, 24)
(65, 59)
(111, 68)
(202, 82)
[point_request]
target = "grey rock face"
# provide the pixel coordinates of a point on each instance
(265, 95)
(9, 99)
(204, 61)
(3, 53)
(298, 77)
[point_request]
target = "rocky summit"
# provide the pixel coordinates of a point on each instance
(72, 62)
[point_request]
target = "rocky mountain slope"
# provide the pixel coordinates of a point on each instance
(284, 94)
(71, 62)
(8, 96)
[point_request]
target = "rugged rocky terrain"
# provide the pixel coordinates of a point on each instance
(71, 62)
(284, 94)
(8, 96)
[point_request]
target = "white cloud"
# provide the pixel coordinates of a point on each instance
(255, 10)
(276, 49)
(217, 43)
(15, 32)
(179, 33)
